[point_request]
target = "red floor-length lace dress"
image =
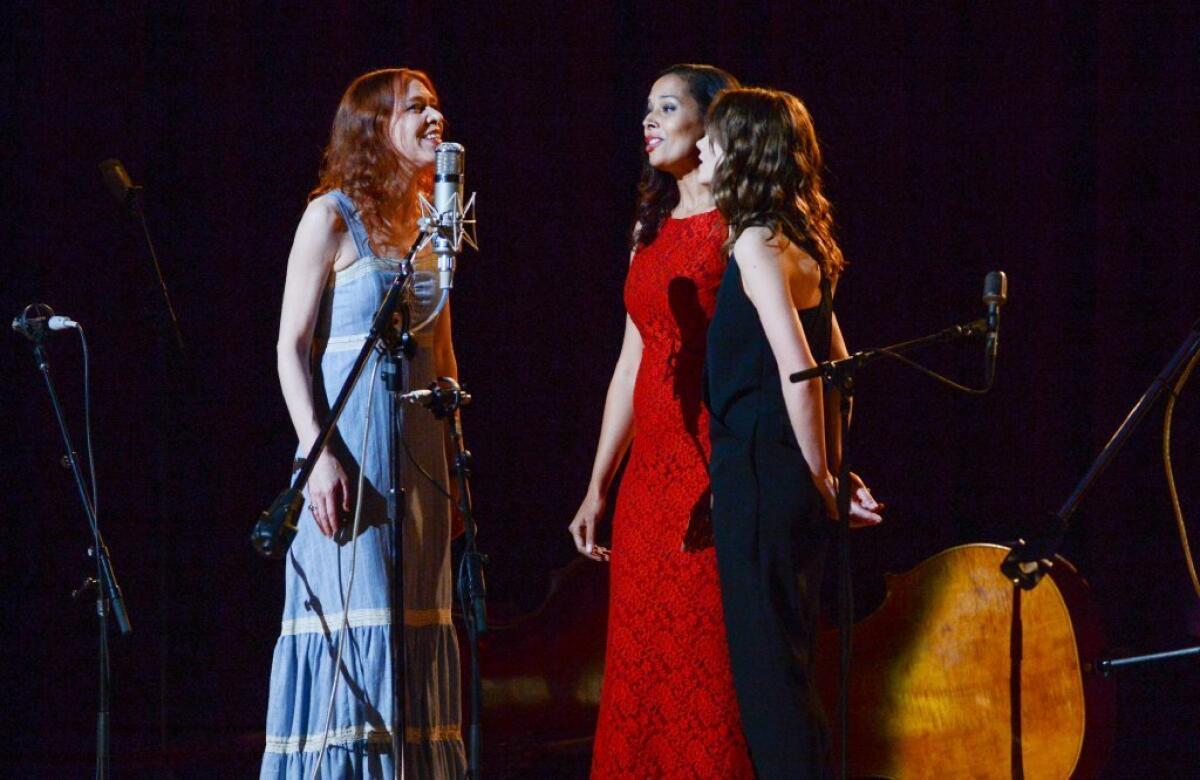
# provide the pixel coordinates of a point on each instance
(668, 707)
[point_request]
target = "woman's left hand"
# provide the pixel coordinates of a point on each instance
(864, 509)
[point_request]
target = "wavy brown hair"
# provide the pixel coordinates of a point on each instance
(770, 174)
(361, 159)
(658, 194)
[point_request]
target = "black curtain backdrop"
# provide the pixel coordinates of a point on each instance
(1056, 141)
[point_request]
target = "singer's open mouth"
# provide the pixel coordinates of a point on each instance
(652, 143)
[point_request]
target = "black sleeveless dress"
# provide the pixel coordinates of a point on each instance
(770, 532)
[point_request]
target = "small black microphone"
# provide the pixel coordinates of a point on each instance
(436, 395)
(995, 294)
(128, 194)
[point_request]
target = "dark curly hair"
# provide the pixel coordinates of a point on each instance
(361, 159)
(658, 194)
(770, 174)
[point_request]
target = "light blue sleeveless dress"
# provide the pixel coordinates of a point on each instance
(361, 742)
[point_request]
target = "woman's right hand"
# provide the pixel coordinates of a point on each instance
(583, 528)
(328, 493)
(865, 511)
(827, 486)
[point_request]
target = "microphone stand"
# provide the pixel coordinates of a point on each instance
(131, 201)
(1108, 665)
(168, 333)
(397, 348)
(108, 592)
(176, 333)
(276, 526)
(840, 375)
(445, 402)
(1027, 562)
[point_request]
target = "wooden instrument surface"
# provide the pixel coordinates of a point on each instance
(962, 674)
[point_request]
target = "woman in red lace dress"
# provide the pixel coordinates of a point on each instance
(668, 707)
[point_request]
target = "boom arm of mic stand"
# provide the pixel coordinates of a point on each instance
(831, 370)
(276, 527)
(1026, 563)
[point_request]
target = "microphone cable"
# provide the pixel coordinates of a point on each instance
(995, 294)
(87, 423)
(432, 479)
(345, 630)
(1176, 509)
(938, 377)
(105, 655)
(443, 298)
(460, 574)
(396, 609)
(446, 493)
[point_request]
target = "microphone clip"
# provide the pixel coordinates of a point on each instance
(1029, 559)
(443, 397)
(277, 525)
(34, 322)
(454, 225)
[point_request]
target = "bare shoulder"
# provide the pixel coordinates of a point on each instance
(762, 255)
(756, 246)
(322, 225)
(320, 235)
(321, 215)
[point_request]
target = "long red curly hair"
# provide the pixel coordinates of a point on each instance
(361, 159)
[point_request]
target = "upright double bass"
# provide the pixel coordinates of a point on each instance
(959, 673)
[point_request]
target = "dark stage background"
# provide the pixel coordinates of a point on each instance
(1056, 141)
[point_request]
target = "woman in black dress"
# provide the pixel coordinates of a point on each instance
(775, 444)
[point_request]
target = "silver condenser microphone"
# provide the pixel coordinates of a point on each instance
(448, 208)
(448, 221)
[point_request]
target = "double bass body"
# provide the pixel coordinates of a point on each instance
(958, 673)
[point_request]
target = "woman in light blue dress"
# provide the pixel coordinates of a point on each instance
(338, 617)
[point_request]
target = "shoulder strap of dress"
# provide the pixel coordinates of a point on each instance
(353, 221)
